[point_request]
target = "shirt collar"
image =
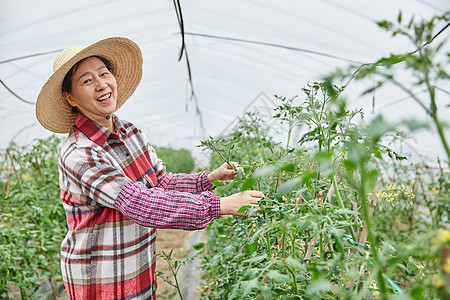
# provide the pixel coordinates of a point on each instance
(94, 131)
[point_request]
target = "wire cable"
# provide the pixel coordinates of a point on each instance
(15, 95)
(273, 45)
(28, 56)
(193, 96)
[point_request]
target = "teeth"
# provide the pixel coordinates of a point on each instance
(104, 97)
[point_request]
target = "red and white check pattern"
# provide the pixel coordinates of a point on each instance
(115, 193)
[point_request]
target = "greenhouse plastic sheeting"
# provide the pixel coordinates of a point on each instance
(241, 54)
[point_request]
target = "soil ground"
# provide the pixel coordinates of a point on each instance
(168, 239)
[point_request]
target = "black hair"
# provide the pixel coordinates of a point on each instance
(67, 82)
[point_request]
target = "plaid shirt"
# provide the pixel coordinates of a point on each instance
(115, 194)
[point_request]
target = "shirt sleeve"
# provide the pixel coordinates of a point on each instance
(96, 181)
(192, 183)
(167, 209)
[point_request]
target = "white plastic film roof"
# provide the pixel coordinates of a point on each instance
(239, 52)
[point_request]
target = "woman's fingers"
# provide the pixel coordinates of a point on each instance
(256, 194)
(231, 204)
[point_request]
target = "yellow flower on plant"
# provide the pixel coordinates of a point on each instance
(421, 266)
(391, 186)
(435, 190)
(437, 281)
(446, 266)
(443, 236)
(376, 294)
(27, 177)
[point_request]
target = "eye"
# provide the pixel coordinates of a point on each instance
(87, 81)
(106, 73)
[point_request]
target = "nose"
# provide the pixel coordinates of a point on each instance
(101, 84)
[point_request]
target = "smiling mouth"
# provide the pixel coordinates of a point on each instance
(104, 97)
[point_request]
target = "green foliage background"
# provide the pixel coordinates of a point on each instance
(177, 160)
(33, 221)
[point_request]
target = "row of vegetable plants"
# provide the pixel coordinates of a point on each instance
(33, 222)
(32, 218)
(345, 214)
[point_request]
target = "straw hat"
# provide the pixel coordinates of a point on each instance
(54, 112)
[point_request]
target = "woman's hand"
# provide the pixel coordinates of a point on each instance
(224, 172)
(231, 204)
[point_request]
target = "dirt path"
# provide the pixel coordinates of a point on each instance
(168, 239)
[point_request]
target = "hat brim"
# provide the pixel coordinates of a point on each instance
(56, 114)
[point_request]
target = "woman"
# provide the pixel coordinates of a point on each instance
(114, 189)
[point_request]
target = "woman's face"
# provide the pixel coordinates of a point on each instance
(94, 90)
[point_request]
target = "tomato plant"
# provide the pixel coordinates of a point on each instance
(345, 216)
(33, 222)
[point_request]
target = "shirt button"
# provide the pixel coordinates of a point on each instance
(127, 154)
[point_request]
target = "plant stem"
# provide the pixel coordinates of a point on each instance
(269, 250)
(174, 273)
(321, 245)
(294, 280)
(294, 253)
(370, 235)
(341, 203)
(433, 111)
(288, 137)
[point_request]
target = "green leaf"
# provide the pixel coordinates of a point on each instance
(391, 60)
(199, 246)
(252, 247)
(288, 167)
(385, 25)
(277, 276)
(248, 183)
(288, 186)
(349, 165)
(414, 124)
(243, 209)
(293, 263)
(261, 172)
(308, 175)
(323, 160)
(318, 286)
(373, 88)
(217, 182)
(417, 292)
(256, 259)
(266, 292)
(248, 286)
(376, 152)
(366, 70)
(371, 180)
(251, 272)
(378, 127)
(338, 235)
